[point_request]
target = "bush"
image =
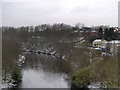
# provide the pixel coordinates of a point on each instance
(81, 78)
(16, 75)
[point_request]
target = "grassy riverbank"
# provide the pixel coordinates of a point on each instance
(103, 71)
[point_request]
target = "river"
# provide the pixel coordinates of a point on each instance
(42, 71)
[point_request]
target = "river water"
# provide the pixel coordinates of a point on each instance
(42, 71)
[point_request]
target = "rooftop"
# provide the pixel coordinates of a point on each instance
(115, 41)
(97, 40)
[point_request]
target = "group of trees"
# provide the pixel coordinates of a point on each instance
(107, 33)
(14, 37)
(55, 30)
(56, 34)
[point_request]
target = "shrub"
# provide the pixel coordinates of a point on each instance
(16, 75)
(81, 78)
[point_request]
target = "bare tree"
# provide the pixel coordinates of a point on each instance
(80, 25)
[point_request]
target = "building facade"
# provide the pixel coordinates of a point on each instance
(98, 43)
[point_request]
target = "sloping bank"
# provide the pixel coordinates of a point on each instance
(102, 72)
(11, 72)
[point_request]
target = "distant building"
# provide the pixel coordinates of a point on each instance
(109, 48)
(88, 31)
(116, 29)
(114, 46)
(99, 43)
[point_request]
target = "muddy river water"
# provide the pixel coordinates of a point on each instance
(42, 71)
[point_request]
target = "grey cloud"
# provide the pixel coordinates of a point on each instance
(80, 9)
(51, 11)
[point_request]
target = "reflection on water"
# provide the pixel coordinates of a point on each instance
(41, 71)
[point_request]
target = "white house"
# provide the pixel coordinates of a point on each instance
(99, 43)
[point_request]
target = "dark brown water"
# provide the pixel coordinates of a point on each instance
(42, 71)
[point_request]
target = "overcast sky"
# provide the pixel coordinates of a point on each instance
(35, 12)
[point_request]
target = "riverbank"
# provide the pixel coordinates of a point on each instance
(103, 71)
(13, 78)
(57, 53)
(42, 71)
(11, 72)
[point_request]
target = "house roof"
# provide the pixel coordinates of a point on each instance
(93, 31)
(86, 27)
(97, 40)
(97, 48)
(115, 41)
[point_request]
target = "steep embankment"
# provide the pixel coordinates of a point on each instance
(103, 71)
(10, 69)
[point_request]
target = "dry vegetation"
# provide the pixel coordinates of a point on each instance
(10, 52)
(103, 71)
(78, 58)
(106, 71)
